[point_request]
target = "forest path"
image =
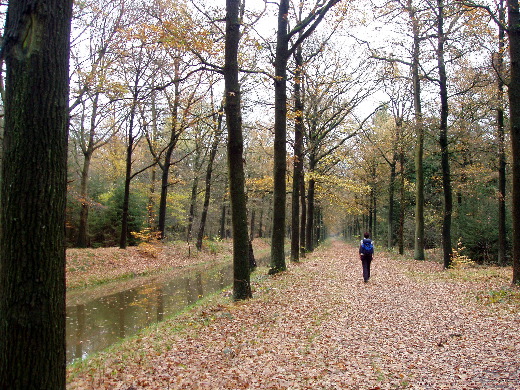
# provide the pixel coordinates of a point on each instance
(318, 326)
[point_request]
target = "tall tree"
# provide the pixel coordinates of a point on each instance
(132, 135)
(92, 74)
(443, 138)
(502, 231)
(280, 140)
(513, 91)
(298, 156)
(414, 63)
(513, 12)
(241, 271)
(217, 134)
(89, 138)
(32, 249)
(419, 134)
(283, 52)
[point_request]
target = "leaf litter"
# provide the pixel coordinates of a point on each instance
(318, 326)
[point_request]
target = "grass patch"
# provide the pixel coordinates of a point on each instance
(507, 295)
(476, 274)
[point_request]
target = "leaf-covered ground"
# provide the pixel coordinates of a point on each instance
(318, 326)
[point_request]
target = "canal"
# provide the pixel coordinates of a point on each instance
(95, 322)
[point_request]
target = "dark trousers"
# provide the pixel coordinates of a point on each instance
(366, 260)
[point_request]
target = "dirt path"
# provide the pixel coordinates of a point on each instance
(318, 326)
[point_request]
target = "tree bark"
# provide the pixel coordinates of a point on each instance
(502, 231)
(152, 225)
(419, 140)
(128, 169)
(88, 150)
(32, 235)
(223, 213)
(298, 158)
(391, 196)
(82, 240)
(209, 174)
(303, 218)
(309, 241)
(304, 29)
(280, 140)
(165, 167)
(514, 118)
(261, 224)
(194, 192)
(252, 226)
(393, 181)
(241, 271)
(443, 139)
(402, 201)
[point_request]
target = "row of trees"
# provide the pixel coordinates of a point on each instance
(449, 95)
(165, 119)
(150, 84)
(440, 85)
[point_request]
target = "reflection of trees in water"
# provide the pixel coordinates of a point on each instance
(95, 325)
(121, 309)
(79, 331)
(194, 289)
(200, 289)
(160, 304)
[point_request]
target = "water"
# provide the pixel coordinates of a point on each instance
(95, 324)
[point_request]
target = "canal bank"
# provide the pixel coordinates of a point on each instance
(143, 292)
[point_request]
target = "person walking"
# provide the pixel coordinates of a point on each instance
(366, 253)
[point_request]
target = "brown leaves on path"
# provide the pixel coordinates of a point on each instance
(318, 326)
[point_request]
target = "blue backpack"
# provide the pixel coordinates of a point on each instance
(367, 248)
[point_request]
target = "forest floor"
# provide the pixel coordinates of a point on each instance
(318, 326)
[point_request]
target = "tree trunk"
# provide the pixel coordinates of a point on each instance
(280, 140)
(193, 203)
(223, 213)
(128, 171)
(209, 173)
(252, 227)
(393, 180)
(317, 224)
(303, 219)
(514, 117)
(88, 150)
(241, 271)
(32, 216)
(402, 202)
(194, 192)
(391, 195)
(298, 158)
(153, 174)
(309, 241)
(419, 141)
(372, 215)
(174, 136)
(443, 139)
(82, 240)
(151, 200)
(502, 232)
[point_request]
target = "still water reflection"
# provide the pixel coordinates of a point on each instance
(96, 324)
